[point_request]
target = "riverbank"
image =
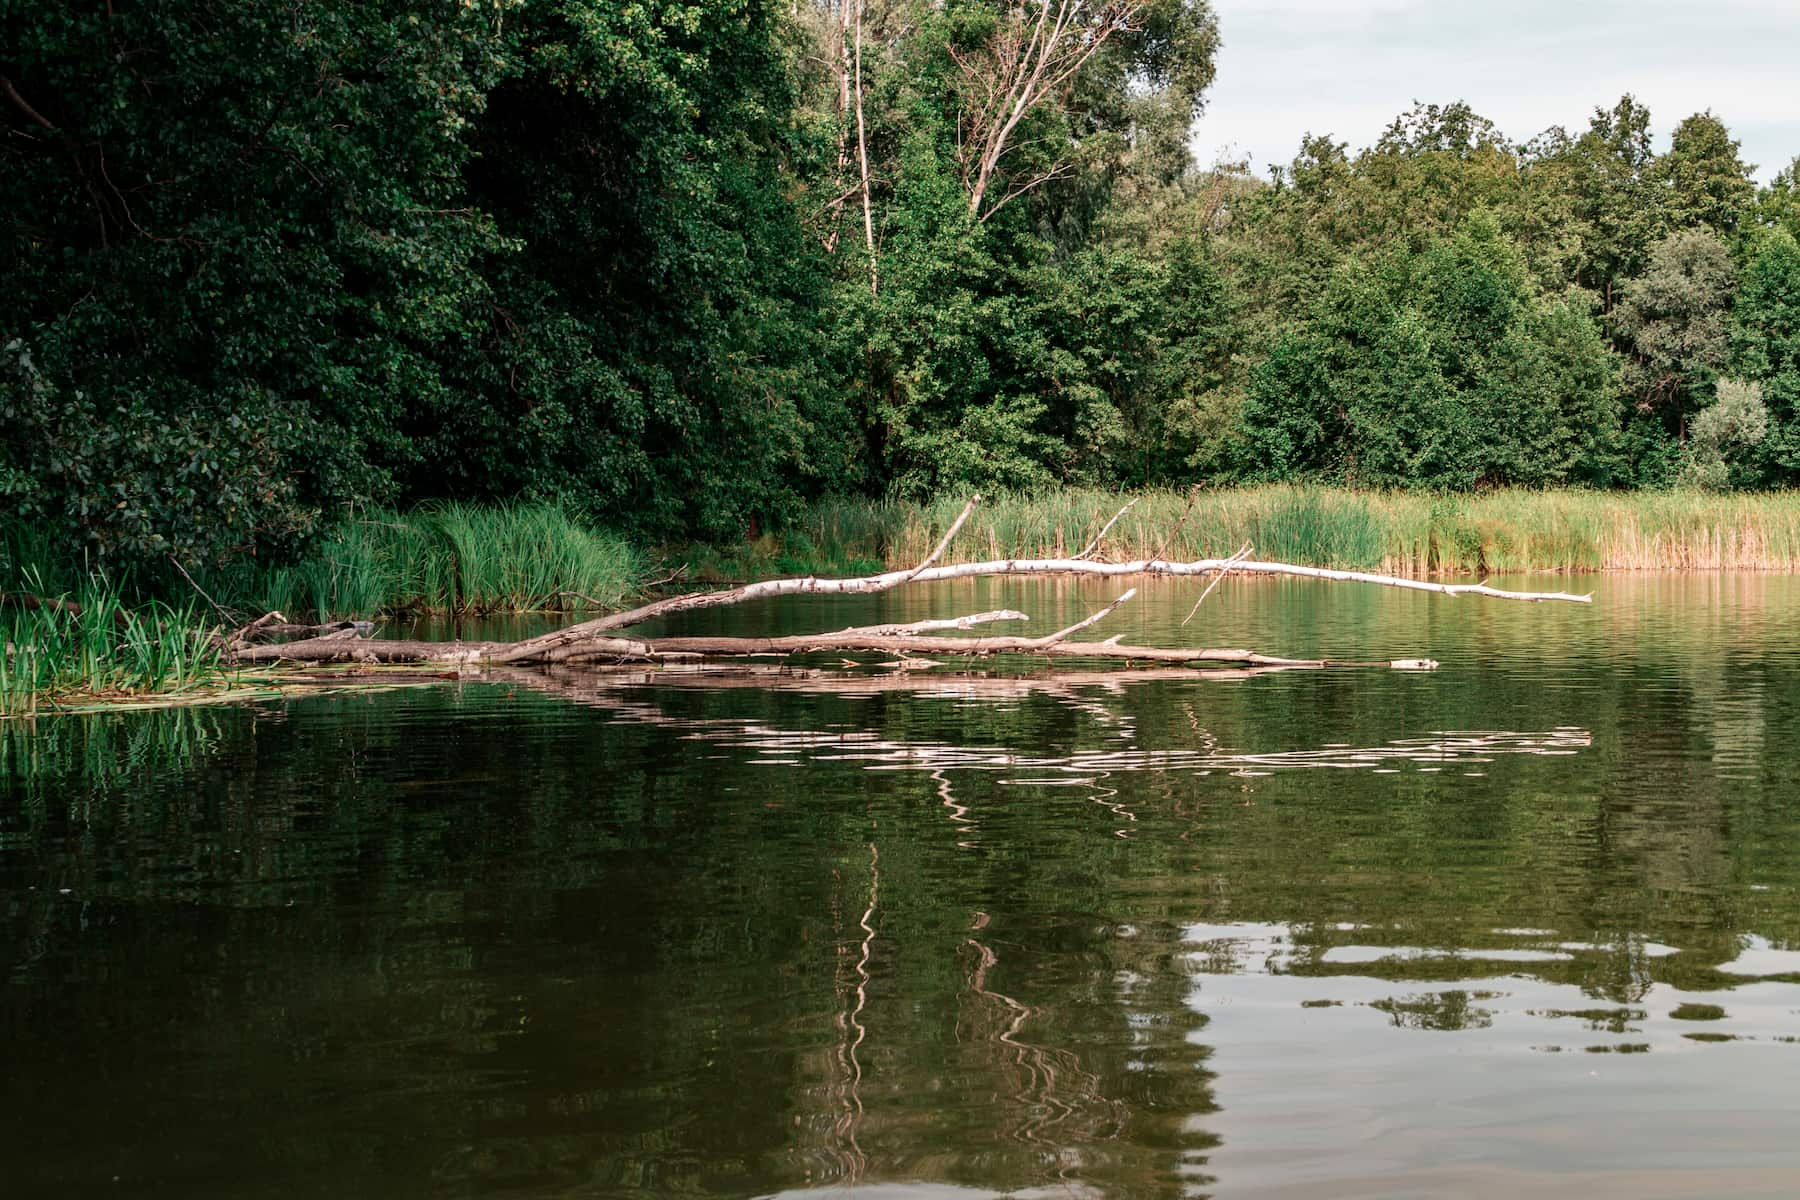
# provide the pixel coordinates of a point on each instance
(1400, 533)
(91, 652)
(72, 637)
(102, 641)
(465, 559)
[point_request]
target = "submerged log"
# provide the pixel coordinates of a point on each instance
(597, 640)
(271, 626)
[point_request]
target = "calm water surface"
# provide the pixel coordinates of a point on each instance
(1529, 924)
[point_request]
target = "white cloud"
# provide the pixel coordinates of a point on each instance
(1348, 67)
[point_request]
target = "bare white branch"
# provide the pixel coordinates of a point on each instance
(1107, 528)
(1233, 561)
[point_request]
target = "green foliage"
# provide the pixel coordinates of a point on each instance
(1673, 319)
(651, 351)
(1613, 208)
(68, 631)
(1723, 434)
(87, 641)
(626, 260)
(408, 249)
(1766, 347)
(442, 558)
(237, 229)
(1445, 370)
(1706, 183)
(1778, 205)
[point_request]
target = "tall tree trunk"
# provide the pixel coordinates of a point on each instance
(839, 50)
(862, 154)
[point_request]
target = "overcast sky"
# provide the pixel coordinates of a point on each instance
(1348, 67)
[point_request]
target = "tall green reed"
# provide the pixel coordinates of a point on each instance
(88, 642)
(444, 558)
(1397, 532)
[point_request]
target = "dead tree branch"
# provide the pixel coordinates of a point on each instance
(1231, 562)
(932, 626)
(1062, 635)
(1106, 529)
(598, 641)
(862, 156)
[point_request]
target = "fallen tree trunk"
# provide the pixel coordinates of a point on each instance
(597, 640)
(56, 604)
(679, 649)
(271, 626)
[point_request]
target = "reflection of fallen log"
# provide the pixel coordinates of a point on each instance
(676, 649)
(578, 681)
(597, 640)
(630, 695)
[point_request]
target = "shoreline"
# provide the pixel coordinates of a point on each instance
(1399, 533)
(148, 656)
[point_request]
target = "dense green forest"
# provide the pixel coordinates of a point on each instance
(683, 267)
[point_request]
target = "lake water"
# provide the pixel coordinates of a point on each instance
(1525, 925)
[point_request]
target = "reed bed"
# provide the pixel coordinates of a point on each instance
(76, 637)
(1394, 532)
(448, 558)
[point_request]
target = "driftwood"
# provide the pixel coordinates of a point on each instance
(270, 626)
(55, 604)
(46, 603)
(599, 640)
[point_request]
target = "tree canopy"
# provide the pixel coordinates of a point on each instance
(683, 267)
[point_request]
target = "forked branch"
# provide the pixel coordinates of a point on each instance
(598, 640)
(1035, 50)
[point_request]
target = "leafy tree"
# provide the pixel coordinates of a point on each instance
(1705, 183)
(1778, 205)
(685, 266)
(1444, 370)
(1724, 433)
(1766, 347)
(237, 232)
(1614, 208)
(1674, 321)
(652, 351)
(400, 251)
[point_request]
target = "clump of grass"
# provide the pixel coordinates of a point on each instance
(88, 643)
(72, 637)
(1317, 526)
(446, 558)
(517, 558)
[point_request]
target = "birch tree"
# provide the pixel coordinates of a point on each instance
(1033, 55)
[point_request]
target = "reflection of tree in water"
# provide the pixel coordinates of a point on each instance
(938, 1069)
(850, 986)
(1058, 1103)
(551, 950)
(1443, 1011)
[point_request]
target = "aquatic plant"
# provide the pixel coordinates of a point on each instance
(90, 643)
(1410, 533)
(444, 558)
